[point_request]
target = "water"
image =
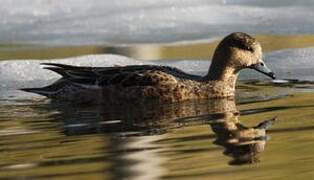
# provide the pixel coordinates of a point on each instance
(215, 139)
(205, 139)
(44, 140)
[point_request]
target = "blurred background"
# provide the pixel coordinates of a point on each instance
(147, 29)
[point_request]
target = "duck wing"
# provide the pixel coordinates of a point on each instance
(122, 75)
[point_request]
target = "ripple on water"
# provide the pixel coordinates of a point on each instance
(207, 137)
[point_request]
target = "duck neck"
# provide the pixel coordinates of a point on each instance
(223, 73)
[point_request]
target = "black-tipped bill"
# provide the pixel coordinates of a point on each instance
(262, 68)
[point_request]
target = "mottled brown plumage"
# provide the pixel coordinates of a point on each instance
(112, 85)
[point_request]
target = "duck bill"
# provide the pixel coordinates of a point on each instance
(262, 68)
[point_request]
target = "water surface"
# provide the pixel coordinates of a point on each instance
(265, 133)
(195, 139)
(216, 139)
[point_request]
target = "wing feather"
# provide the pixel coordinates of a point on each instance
(135, 75)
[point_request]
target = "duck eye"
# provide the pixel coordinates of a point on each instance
(248, 48)
(244, 46)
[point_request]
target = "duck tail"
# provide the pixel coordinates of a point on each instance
(48, 91)
(73, 73)
(41, 91)
(58, 71)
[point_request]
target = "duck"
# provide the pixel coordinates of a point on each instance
(134, 83)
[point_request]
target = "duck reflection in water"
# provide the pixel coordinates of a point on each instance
(241, 143)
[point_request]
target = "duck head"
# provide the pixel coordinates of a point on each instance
(235, 52)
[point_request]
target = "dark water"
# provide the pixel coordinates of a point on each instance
(267, 133)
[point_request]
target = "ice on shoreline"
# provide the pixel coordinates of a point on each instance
(120, 22)
(287, 64)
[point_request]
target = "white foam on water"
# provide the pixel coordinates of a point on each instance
(287, 64)
(271, 3)
(120, 22)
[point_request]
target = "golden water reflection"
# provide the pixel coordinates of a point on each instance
(124, 142)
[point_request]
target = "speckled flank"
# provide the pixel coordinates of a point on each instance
(110, 85)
